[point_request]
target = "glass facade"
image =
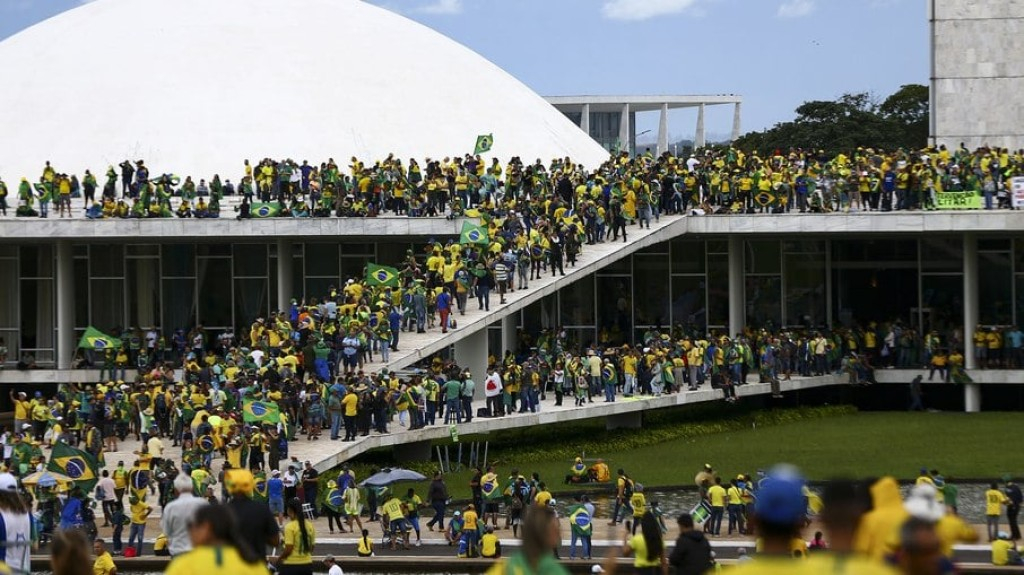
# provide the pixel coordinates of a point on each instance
(787, 282)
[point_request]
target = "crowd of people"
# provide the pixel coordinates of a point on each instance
(711, 180)
(864, 526)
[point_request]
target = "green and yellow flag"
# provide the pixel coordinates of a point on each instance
(265, 210)
(260, 412)
(472, 234)
(382, 276)
(96, 339)
(76, 464)
(484, 143)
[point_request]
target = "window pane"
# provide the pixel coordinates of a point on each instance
(762, 257)
(179, 305)
(942, 254)
(354, 267)
(143, 250)
(36, 261)
(994, 288)
(577, 302)
(251, 301)
(250, 260)
(214, 249)
(81, 293)
(614, 309)
(317, 288)
(872, 250)
(214, 300)
(687, 256)
(942, 298)
(9, 291)
(37, 318)
(143, 293)
(805, 291)
(349, 249)
(179, 260)
(107, 299)
(623, 266)
(718, 290)
(106, 261)
(652, 291)
(322, 260)
(689, 295)
(764, 301)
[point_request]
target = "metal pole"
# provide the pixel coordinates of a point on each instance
(486, 445)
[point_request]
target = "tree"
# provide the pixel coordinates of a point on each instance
(852, 121)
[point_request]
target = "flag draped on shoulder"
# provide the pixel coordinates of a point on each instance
(473, 234)
(484, 143)
(76, 464)
(96, 339)
(377, 275)
(260, 412)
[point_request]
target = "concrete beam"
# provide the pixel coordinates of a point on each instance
(628, 420)
(414, 451)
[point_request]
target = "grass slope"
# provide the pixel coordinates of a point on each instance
(857, 445)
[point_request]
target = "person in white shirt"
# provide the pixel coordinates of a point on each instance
(178, 514)
(332, 567)
(492, 392)
(107, 494)
(15, 526)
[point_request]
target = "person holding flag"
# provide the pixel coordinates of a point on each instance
(491, 489)
(582, 528)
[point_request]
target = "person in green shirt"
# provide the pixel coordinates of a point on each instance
(452, 412)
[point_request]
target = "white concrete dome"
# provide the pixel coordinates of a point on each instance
(194, 87)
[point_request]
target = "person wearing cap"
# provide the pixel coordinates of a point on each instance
(1004, 551)
(332, 566)
(22, 409)
(256, 524)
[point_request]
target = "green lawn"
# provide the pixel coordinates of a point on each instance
(859, 445)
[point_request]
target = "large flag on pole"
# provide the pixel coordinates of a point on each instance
(96, 339)
(76, 464)
(483, 144)
(473, 234)
(260, 412)
(382, 276)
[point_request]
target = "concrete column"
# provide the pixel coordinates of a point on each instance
(736, 121)
(737, 305)
(65, 304)
(663, 130)
(285, 269)
(509, 333)
(471, 354)
(699, 138)
(585, 119)
(972, 391)
(625, 138)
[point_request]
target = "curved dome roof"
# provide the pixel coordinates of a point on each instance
(197, 86)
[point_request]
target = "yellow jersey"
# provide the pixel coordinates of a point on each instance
(639, 546)
(103, 565)
(994, 501)
(213, 561)
(301, 555)
(716, 493)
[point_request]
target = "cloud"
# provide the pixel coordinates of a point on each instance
(796, 8)
(644, 9)
(441, 7)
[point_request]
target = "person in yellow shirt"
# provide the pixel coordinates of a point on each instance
(22, 409)
(543, 496)
(639, 504)
(717, 497)
(1004, 551)
(104, 563)
(217, 547)
(490, 546)
(394, 515)
(734, 505)
(299, 540)
(140, 511)
(994, 502)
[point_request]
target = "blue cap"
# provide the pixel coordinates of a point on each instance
(780, 499)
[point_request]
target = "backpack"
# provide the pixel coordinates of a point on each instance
(627, 489)
(161, 402)
(334, 403)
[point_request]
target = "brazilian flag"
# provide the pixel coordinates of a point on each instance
(764, 199)
(484, 143)
(472, 234)
(96, 339)
(382, 276)
(265, 209)
(259, 493)
(260, 412)
(76, 464)
(205, 444)
(333, 499)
